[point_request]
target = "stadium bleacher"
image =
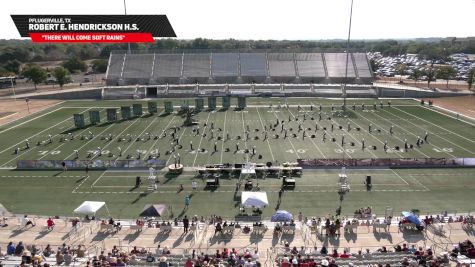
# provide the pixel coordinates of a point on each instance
(336, 66)
(281, 66)
(196, 67)
(310, 66)
(225, 66)
(253, 66)
(135, 65)
(234, 67)
(167, 68)
(361, 63)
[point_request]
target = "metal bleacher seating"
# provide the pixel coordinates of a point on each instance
(361, 63)
(281, 65)
(310, 66)
(236, 68)
(114, 71)
(336, 65)
(167, 66)
(225, 65)
(253, 65)
(196, 66)
(138, 66)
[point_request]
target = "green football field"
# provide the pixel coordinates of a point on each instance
(56, 193)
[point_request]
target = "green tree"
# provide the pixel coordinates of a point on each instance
(35, 73)
(401, 70)
(446, 73)
(62, 76)
(416, 75)
(100, 65)
(13, 66)
(430, 73)
(74, 64)
(374, 65)
(471, 78)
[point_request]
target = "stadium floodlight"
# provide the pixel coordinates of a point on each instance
(347, 58)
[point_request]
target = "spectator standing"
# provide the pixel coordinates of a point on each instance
(186, 224)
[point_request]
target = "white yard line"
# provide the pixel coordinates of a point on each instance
(425, 187)
(98, 178)
(201, 139)
(108, 144)
(397, 125)
(268, 144)
(224, 134)
(156, 141)
(133, 141)
(15, 145)
(382, 129)
(179, 138)
(244, 129)
(470, 140)
(288, 139)
(397, 174)
(469, 151)
(87, 142)
(56, 148)
(32, 119)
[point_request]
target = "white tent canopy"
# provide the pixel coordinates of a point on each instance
(254, 199)
(89, 207)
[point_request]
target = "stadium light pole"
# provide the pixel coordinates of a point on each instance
(347, 58)
(125, 11)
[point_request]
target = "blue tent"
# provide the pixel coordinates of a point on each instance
(282, 216)
(411, 217)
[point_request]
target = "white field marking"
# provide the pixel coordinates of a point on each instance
(469, 151)
(373, 136)
(244, 129)
(34, 118)
(179, 138)
(417, 150)
(411, 133)
(15, 145)
(152, 147)
(201, 139)
(400, 177)
(98, 178)
(133, 141)
(110, 143)
(413, 178)
(56, 148)
(87, 142)
(332, 135)
(315, 145)
(359, 142)
(470, 140)
(450, 111)
(79, 185)
(288, 139)
(224, 133)
(268, 144)
(35, 147)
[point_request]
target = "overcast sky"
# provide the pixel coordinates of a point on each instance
(275, 19)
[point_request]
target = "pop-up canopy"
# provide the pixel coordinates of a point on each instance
(90, 207)
(153, 210)
(254, 199)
